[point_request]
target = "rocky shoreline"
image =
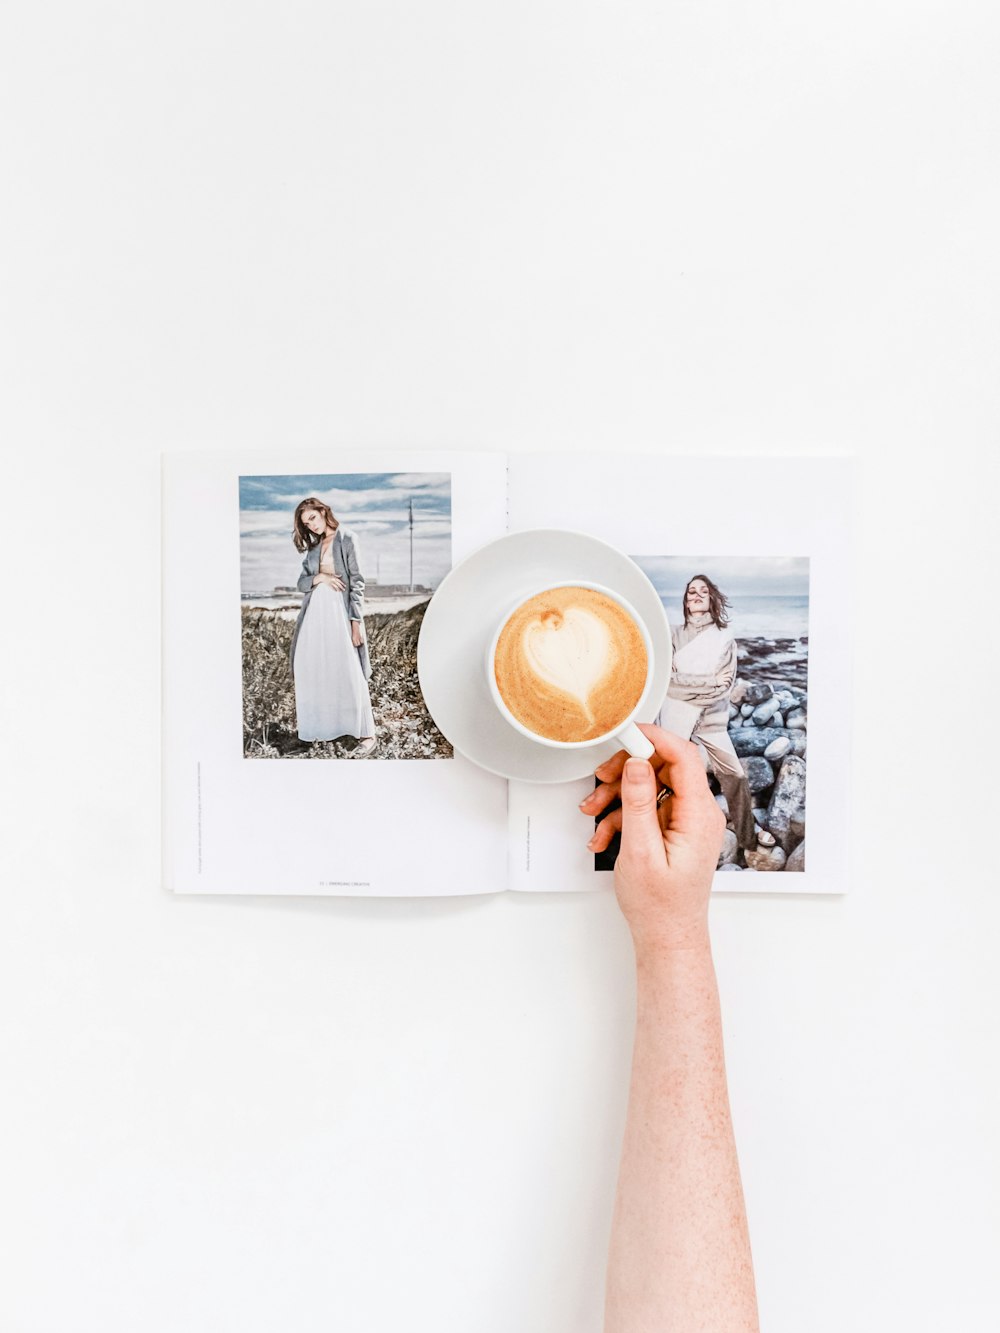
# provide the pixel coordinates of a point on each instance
(778, 662)
(768, 726)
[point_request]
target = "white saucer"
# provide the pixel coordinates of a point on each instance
(463, 615)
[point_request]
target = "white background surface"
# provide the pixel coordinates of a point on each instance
(711, 227)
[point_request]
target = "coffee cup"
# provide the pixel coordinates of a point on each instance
(570, 666)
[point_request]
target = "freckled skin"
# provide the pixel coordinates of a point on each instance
(679, 1259)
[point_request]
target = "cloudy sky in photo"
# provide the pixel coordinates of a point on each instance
(769, 595)
(747, 576)
(374, 505)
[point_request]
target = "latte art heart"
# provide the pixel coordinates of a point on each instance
(570, 664)
(571, 651)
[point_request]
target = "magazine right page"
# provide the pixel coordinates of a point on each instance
(751, 558)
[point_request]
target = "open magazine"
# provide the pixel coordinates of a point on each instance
(275, 785)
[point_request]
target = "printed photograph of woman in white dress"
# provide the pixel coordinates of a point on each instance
(739, 690)
(329, 655)
(329, 642)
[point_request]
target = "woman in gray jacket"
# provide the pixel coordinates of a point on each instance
(329, 655)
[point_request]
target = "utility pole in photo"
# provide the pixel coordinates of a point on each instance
(411, 543)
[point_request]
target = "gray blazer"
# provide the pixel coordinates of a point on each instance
(345, 565)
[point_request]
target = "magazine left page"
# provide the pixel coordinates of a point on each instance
(298, 755)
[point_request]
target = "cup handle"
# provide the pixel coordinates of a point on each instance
(632, 739)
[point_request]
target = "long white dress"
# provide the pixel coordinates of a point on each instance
(331, 693)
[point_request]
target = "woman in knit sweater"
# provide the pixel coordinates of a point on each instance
(697, 704)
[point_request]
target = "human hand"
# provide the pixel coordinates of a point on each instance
(357, 637)
(663, 875)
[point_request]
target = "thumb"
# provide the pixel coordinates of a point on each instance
(642, 839)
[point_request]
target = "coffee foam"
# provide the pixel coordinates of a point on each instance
(570, 664)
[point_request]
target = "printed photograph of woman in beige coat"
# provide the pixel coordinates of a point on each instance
(702, 676)
(738, 689)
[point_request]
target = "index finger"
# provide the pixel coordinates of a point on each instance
(677, 763)
(679, 759)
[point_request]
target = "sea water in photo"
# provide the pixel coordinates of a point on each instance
(768, 607)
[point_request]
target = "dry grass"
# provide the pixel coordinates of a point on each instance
(402, 724)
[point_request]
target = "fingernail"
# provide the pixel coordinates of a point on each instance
(636, 770)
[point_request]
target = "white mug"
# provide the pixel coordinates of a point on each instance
(626, 733)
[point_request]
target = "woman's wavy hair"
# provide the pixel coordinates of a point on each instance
(718, 602)
(303, 538)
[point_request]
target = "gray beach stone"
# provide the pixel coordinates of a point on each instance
(733, 710)
(722, 803)
(757, 691)
(755, 740)
(797, 823)
(777, 720)
(773, 858)
(728, 866)
(796, 719)
(760, 817)
(778, 748)
(765, 711)
(788, 795)
(746, 710)
(760, 774)
(797, 858)
(730, 849)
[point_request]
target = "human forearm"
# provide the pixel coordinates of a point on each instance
(680, 1249)
(703, 687)
(679, 1258)
(356, 582)
(709, 692)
